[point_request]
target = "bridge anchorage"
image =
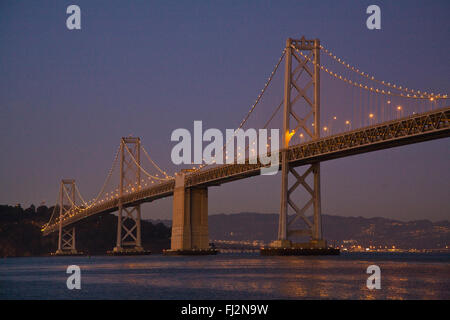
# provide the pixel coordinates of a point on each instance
(301, 119)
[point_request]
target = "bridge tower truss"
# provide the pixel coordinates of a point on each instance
(129, 218)
(301, 108)
(67, 207)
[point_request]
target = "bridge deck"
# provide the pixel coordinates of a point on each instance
(413, 129)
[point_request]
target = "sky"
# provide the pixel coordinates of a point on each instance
(146, 68)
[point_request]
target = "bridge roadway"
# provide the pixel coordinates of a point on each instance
(413, 129)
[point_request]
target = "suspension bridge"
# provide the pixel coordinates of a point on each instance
(377, 115)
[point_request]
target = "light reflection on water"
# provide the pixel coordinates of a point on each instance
(249, 276)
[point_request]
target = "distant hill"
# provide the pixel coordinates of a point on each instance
(418, 234)
(20, 233)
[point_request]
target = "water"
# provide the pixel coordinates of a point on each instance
(228, 276)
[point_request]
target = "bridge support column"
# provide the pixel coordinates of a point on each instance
(189, 220)
(129, 230)
(66, 242)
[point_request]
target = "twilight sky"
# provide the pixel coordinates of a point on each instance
(148, 67)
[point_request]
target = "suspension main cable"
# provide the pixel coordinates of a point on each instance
(274, 113)
(154, 163)
(382, 82)
(258, 99)
(139, 166)
(265, 126)
(262, 91)
(79, 195)
(53, 212)
(71, 201)
(116, 156)
(362, 86)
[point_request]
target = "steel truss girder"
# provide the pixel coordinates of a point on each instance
(129, 235)
(129, 232)
(411, 127)
(68, 239)
(418, 126)
(415, 128)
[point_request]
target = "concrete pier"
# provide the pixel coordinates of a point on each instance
(189, 220)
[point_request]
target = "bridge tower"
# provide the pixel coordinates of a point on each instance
(302, 90)
(66, 237)
(129, 218)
